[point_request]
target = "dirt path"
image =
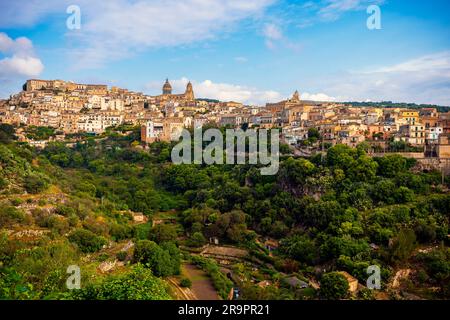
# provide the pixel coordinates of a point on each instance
(202, 285)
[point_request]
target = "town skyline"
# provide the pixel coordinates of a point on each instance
(180, 85)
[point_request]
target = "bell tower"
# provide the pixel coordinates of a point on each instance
(189, 94)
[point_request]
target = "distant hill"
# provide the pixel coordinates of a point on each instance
(208, 100)
(390, 104)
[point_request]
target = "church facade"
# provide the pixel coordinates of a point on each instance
(184, 99)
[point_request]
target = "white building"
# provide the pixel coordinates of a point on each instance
(433, 133)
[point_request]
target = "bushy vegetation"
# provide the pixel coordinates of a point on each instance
(40, 133)
(137, 284)
(164, 259)
(343, 211)
(334, 286)
(86, 240)
(186, 283)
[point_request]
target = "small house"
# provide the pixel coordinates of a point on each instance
(352, 281)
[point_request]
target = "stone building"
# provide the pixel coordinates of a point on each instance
(443, 147)
(185, 99)
(164, 129)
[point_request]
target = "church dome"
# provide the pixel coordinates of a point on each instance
(167, 88)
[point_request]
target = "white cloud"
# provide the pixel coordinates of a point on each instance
(424, 79)
(20, 66)
(332, 9)
(8, 45)
(437, 61)
(116, 29)
(274, 38)
(240, 59)
(20, 60)
(310, 13)
(119, 28)
(317, 97)
(272, 34)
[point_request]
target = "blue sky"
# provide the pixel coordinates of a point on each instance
(251, 51)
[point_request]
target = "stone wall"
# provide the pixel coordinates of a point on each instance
(429, 164)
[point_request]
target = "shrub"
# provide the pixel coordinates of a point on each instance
(10, 215)
(35, 183)
(122, 255)
(142, 231)
(120, 231)
(65, 210)
(138, 284)
(86, 240)
(73, 220)
(196, 240)
(334, 286)
(59, 224)
(102, 257)
(186, 283)
(97, 226)
(16, 202)
(163, 232)
(3, 183)
(437, 264)
(402, 246)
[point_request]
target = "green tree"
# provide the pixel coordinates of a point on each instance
(86, 240)
(163, 261)
(403, 195)
(300, 248)
(6, 133)
(321, 213)
(391, 165)
(197, 240)
(334, 286)
(402, 246)
(163, 232)
(35, 183)
(313, 133)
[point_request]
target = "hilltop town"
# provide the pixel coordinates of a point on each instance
(73, 108)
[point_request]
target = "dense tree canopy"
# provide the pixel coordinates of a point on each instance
(342, 210)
